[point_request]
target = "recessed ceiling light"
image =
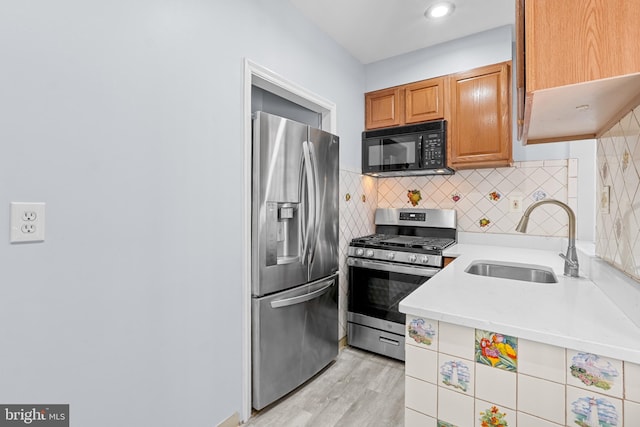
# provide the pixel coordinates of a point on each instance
(439, 10)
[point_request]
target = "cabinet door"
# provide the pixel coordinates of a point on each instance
(574, 41)
(382, 108)
(480, 124)
(424, 101)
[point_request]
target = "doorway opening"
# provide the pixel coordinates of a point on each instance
(263, 82)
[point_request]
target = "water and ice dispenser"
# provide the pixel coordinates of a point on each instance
(283, 233)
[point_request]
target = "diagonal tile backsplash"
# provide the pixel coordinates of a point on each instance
(358, 201)
(618, 215)
(481, 197)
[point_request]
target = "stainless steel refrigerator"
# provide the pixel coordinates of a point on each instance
(294, 241)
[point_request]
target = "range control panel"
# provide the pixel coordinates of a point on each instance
(413, 216)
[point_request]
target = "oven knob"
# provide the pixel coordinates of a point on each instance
(424, 259)
(412, 258)
(359, 252)
(369, 252)
(391, 255)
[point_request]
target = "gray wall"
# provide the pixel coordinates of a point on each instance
(126, 118)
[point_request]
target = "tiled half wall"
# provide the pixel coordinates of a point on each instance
(618, 210)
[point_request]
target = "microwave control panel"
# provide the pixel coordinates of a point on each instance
(433, 146)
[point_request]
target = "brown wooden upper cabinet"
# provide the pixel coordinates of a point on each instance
(578, 66)
(424, 101)
(480, 124)
(412, 103)
(382, 108)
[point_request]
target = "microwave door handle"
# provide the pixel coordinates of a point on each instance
(420, 151)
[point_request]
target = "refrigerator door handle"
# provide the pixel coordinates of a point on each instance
(316, 202)
(308, 176)
(302, 298)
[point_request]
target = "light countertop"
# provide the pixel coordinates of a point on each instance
(573, 313)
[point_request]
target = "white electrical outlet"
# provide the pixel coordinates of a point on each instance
(515, 204)
(27, 222)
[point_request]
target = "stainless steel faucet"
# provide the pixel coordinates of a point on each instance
(571, 258)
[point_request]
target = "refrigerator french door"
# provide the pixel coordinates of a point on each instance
(294, 255)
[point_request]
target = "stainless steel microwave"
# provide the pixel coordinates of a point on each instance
(418, 149)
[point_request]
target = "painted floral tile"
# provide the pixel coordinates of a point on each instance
(456, 374)
(445, 424)
(595, 372)
(497, 350)
(493, 416)
(592, 409)
(422, 332)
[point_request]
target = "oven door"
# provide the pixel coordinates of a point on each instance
(392, 153)
(376, 288)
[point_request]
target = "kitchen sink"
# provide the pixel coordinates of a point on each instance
(513, 271)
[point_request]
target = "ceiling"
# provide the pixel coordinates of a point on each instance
(372, 30)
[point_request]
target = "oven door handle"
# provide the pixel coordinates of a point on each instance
(392, 267)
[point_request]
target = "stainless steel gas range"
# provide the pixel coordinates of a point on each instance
(387, 266)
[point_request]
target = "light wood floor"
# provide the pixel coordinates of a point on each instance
(359, 389)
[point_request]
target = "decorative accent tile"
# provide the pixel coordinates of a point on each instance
(594, 372)
(421, 363)
(588, 409)
(492, 415)
(605, 197)
(414, 197)
(484, 222)
(422, 332)
(496, 350)
(455, 408)
(542, 360)
(494, 196)
(543, 398)
(445, 424)
(456, 374)
(496, 385)
(539, 195)
(456, 340)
